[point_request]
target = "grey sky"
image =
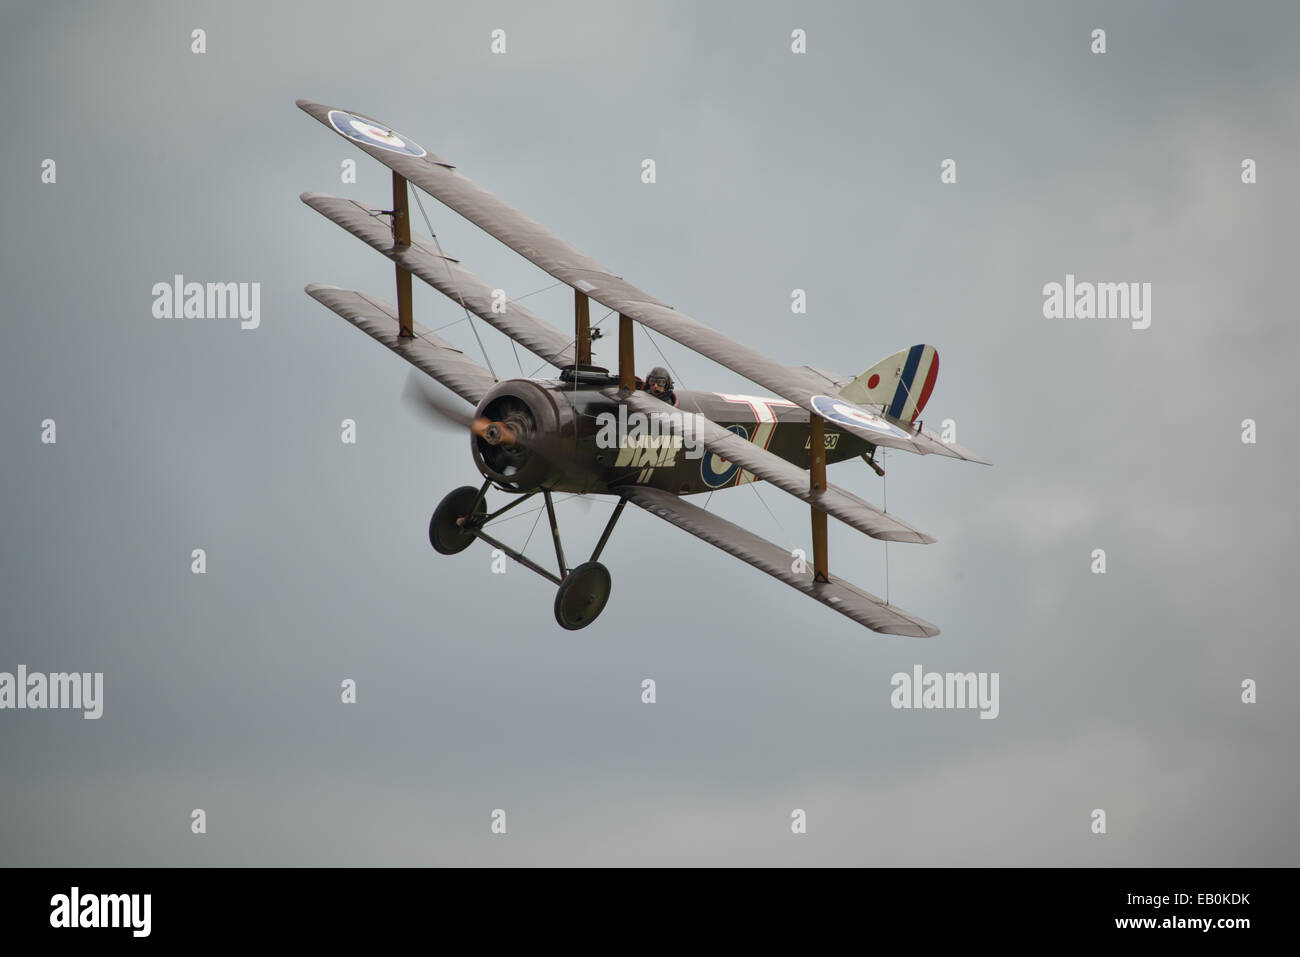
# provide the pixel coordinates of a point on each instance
(775, 171)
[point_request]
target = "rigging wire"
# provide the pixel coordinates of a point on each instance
(661, 354)
(571, 342)
(454, 322)
(784, 533)
(419, 202)
(524, 513)
(531, 530)
(884, 496)
(753, 485)
(558, 282)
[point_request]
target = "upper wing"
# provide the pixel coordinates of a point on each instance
(540, 246)
(422, 258)
(788, 477)
(426, 351)
(847, 599)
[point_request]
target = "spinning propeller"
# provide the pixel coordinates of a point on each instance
(514, 435)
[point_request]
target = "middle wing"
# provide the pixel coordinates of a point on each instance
(449, 277)
(788, 477)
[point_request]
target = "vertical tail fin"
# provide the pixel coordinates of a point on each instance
(901, 384)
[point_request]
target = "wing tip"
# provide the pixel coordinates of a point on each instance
(910, 536)
(914, 628)
(952, 450)
(910, 628)
(968, 456)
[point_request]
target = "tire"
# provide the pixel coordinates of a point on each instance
(582, 596)
(445, 535)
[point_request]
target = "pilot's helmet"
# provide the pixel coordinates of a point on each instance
(659, 375)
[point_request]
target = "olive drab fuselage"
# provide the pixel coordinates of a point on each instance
(593, 443)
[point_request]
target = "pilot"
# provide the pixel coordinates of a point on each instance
(660, 385)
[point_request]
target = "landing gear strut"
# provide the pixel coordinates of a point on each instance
(583, 591)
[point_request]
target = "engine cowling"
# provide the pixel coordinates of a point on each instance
(526, 422)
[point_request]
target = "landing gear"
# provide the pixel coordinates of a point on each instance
(582, 596)
(583, 591)
(447, 534)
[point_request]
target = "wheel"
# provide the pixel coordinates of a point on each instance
(445, 535)
(582, 595)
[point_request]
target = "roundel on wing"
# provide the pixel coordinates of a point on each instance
(363, 131)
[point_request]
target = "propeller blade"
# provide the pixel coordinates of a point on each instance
(433, 406)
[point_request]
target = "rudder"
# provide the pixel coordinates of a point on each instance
(900, 384)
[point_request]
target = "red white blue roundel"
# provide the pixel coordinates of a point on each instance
(837, 410)
(369, 134)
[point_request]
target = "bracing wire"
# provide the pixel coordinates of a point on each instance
(419, 202)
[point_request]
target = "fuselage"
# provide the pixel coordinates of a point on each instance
(590, 442)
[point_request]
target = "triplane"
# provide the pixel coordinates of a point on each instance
(540, 436)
